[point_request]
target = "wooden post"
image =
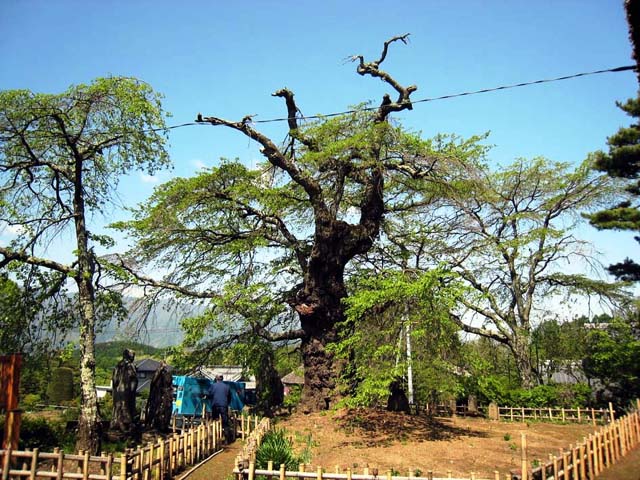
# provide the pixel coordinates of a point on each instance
(60, 465)
(6, 464)
(563, 416)
(583, 468)
(565, 465)
(600, 448)
(524, 462)
(574, 461)
(589, 443)
(556, 475)
(85, 466)
(579, 417)
(348, 473)
(9, 395)
(593, 417)
(123, 466)
(319, 473)
(611, 413)
(34, 464)
(282, 471)
(252, 470)
(606, 445)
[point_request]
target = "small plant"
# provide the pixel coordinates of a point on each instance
(417, 472)
(513, 447)
(394, 472)
(535, 463)
(277, 447)
(507, 437)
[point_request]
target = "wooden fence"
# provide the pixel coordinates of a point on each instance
(157, 460)
(564, 415)
(599, 450)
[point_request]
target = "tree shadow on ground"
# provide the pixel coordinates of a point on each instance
(379, 428)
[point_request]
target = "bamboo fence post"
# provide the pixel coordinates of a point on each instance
(301, 467)
(430, 474)
(6, 463)
(524, 461)
(348, 473)
(365, 471)
(579, 417)
(607, 446)
(615, 445)
(583, 467)
(574, 461)
(60, 465)
(555, 468)
(522, 409)
(123, 466)
(511, 413)
(319, 473)
(563, 416)
(449, 474)
(282, 471)
(600, 447)
(496, 475)
(550, 414)
(252, 470)
(589, 446)
(388, 474)
(34, 464)
(270, 468)
(565, 465)
(593, 417)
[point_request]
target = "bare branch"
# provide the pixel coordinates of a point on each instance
(10, 256)
(372, 68)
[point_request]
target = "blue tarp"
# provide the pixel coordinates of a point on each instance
(190, 394)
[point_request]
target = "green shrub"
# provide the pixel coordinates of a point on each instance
(277, 448)
(37, 432)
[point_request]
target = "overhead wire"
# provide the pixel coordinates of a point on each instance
(443, 97)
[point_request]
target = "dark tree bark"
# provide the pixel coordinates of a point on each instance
(335, 242)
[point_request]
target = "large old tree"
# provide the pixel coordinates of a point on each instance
(61, 157)
(270, 246)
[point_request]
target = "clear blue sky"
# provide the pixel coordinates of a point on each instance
(225, 58)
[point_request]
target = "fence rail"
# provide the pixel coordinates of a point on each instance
(564, 415)
(158, 460)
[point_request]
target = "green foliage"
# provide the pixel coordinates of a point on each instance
(37, 432)
(292, 399)
(60, 386)
(378, 312)
(622, 161)
(499, 390)
(612, 357)
(277, 447)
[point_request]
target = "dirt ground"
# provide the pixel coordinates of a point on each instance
(397, 442)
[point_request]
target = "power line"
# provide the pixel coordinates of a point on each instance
(463, 94)
(424, 100)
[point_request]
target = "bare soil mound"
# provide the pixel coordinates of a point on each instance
(394, 441)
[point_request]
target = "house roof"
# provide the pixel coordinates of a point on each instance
(292, 379)
(230, 373)
(149, 365)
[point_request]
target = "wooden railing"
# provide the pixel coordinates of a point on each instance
(159, 460)
(564, 415)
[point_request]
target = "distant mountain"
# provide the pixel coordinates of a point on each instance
(160, 328)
